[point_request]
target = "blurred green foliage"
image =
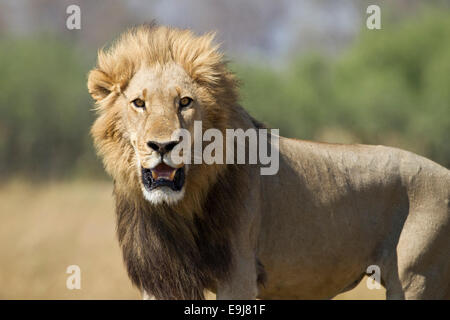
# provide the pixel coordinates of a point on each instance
(392, 86)
(44, 109)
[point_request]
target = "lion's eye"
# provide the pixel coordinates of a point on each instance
(139, 103)
(184, 102)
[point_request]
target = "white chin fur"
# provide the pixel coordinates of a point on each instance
(163, 194)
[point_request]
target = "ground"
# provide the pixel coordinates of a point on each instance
(47, 227)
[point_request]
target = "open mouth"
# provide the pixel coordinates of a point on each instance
(163, 176)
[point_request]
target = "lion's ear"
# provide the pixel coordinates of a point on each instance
(99, 84)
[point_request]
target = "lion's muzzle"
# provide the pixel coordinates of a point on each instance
(163, 176)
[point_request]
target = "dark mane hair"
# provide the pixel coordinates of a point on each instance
(172, 256)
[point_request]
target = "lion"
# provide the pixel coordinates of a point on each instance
(308, 232)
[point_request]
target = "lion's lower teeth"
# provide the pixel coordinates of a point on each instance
(170, 177)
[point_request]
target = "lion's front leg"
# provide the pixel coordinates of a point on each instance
(146, 296)
(242, 283)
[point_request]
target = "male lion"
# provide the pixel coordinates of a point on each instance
(310, 230)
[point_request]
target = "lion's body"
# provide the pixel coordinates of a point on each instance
(345, 207)
(311, 230)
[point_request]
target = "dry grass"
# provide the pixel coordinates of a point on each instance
(46, 228)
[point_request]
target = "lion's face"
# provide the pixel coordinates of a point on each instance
(160, 100)
(150, 83)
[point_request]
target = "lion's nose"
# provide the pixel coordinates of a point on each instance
(162, 147)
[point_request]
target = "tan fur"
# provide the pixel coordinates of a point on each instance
(331, 211)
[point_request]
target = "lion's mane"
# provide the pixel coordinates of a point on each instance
(171, 252)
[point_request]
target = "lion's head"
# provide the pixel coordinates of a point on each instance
(150, 83)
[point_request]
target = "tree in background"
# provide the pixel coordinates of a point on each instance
(44, 109)
(391, 87)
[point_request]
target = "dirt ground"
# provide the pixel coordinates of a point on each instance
(46, 228)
